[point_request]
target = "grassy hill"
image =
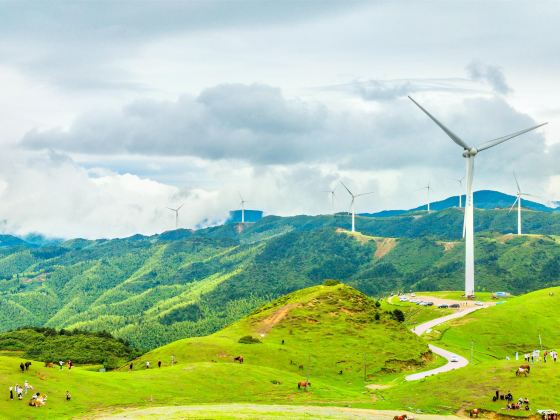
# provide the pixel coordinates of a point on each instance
(494, 333)
(157, 289)
(82, 347)
(325, 328)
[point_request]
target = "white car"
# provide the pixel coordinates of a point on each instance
(403, 298)
(479, 303)
(454, 359)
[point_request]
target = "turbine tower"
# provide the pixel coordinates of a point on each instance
(460, 181)
(176, 214)
(242, 208)
(331, 195)
(427, 188)
(469, 153)
(354, 196)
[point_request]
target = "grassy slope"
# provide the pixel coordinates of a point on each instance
(327, 324)
(497, 331)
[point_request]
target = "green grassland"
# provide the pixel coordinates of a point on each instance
(325, 328)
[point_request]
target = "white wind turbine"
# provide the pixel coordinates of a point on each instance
(427, 188)
(469, 153)
(331, 195)
(354, 196)
(518, 201)
(242, 208)
(176, 214)
(460, 181)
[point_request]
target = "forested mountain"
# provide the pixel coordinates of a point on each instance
(153, 290)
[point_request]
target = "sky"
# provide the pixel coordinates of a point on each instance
(114, 111)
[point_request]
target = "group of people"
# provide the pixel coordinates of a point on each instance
(18, 391)
(535, 356)
(522, 403)
(69, 364)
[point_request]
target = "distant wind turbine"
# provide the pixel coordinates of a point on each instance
(518, 201)
(460, 181)
(331, 195)
(469, 153)
(176, 214)
(354, 196)
(242, 208)
(427, 188)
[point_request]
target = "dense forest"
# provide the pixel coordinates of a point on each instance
(153, 290)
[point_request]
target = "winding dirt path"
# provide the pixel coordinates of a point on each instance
(460, 360)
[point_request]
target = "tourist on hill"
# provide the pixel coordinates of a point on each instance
(11, 393)
(545, 354)
(26, 386)
(69, 364)
(19, 392)
(68, 396)
(554, 355)
(60, 363)
(147, 364)
(130, 367)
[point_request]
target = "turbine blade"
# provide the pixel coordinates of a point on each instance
(447, 131)
(368, 193)
(179, 208)
(514, 203)
(517, 182)
(171, 209)
(349, 192)
(495, 142)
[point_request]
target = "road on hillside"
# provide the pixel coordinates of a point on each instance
(461, 361)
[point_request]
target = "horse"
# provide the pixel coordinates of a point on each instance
(303, 384)
(474, 412)
(526, 367)
(300, 367)
(521, 371)
(27, 364)
(403, 417)
(238, 359)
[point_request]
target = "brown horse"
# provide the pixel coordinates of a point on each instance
(521, 371)
(303, 384)
(474, 412)
(526, 367)
(238, 359)
(401, 417)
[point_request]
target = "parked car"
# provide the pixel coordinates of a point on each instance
(455, 306)
(479, 303)
(430, 303)
(443, 305)
(422, 303)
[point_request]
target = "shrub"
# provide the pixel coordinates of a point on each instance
(377, 316)
(331, 282)
(249, 339)
(398, 315)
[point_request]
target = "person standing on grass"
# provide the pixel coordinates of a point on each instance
(26, 386)
(147, 364)
(130, 367)
(68, 396)
(61, 363)
(159, 363)
(11, 393)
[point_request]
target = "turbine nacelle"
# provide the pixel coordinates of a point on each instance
(470, 152)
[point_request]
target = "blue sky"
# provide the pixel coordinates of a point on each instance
(114, 110)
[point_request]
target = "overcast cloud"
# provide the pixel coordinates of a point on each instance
(115, 110)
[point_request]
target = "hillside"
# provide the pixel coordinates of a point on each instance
(82, 347)
(320, 332)
(327, 329)
(151, 290)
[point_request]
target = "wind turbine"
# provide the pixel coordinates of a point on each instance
(427, 188)
(469, 153)
(332, 195)
(460, 181)
(176, 214)
(354, 196)
(518, 201)
(242, 208)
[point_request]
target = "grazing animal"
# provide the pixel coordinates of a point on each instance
(526, 367)
(303, 384)
(521, 371)
(27, 364)
(402, 417)
(300, 367)
(474, 412)
(238, 359)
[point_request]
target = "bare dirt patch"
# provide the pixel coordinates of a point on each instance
(384, 246)
(448, 246)
(268, 323)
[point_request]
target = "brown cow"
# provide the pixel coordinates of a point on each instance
(238, 359)
(303, 384)
(526, 367)
(474, 412)
(521, 371)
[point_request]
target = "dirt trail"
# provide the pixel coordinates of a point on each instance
(261, 411)
(384, 246)
(268, 323)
